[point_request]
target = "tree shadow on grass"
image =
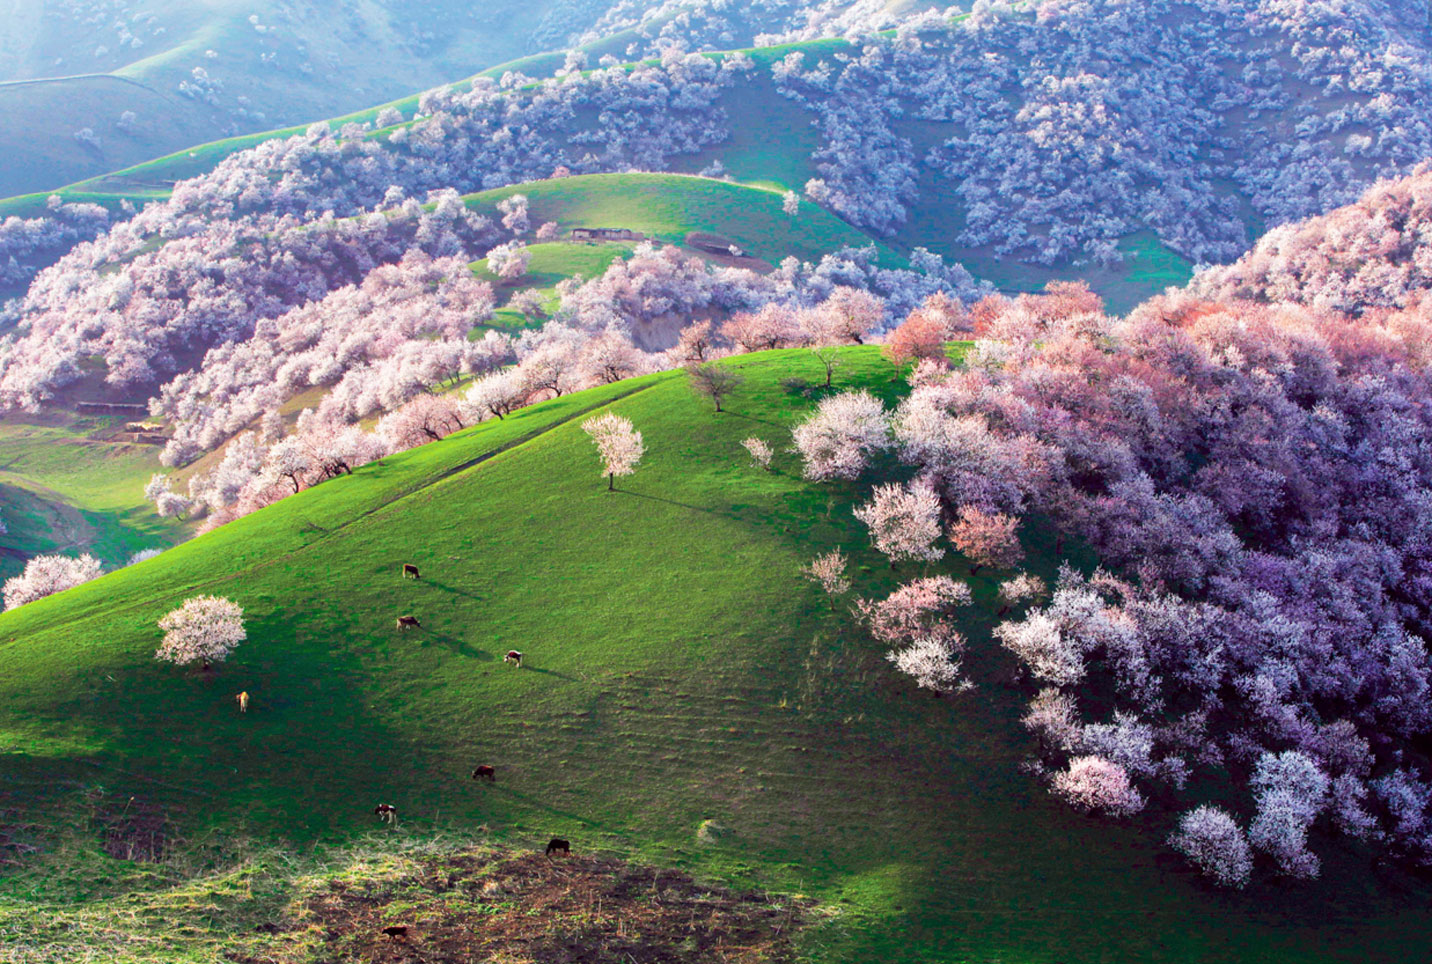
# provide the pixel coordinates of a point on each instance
(452, 589)
(684, 505)
(752, 418)
(549, 672)
(539, 802)
(459, 646)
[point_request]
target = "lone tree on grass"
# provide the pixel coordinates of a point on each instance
(618, 444)
(205, 629)
(828, 356)
(714, 381)
(828, 572)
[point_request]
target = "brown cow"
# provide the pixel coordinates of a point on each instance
(395, 931)
(557, 844)
(386, 812)
(410, 570)
(485, 772)
(513, 657)
(409, 622)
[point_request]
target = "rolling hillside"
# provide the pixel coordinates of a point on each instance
(668, 207)
(264, 65)
(679, 670)
(772, 146)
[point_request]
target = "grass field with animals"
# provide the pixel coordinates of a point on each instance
(685, 699)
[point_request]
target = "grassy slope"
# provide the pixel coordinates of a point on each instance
(63, 491)
(551, 262)
(679, 670)
(668, 206)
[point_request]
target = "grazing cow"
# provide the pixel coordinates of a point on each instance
(386, 812)
(243, 701)
(513, 657)
(396, 931)
(557, 844)
(485, 772)
(409, 622)
(410, 570)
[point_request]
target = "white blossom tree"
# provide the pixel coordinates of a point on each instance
(837, 441)
(759, 451)
(46, 575)
(904, 522)
(509, 260)
(619, 445)
(933, 662)
(1215, 844)
(1098, 785)
(205, 629)
(166, 501)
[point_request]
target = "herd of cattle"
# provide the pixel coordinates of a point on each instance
(388, 813)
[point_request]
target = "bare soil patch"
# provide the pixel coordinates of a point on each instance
(528, 909)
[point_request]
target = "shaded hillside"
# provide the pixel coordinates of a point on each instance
(677, 669)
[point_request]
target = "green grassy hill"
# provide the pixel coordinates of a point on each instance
(669, 206)
(69, 485)
(57, 76)
(666, 207)
(679, 670)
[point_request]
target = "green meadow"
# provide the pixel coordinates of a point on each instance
(678, 669)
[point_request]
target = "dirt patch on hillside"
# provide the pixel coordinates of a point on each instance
(528, 909)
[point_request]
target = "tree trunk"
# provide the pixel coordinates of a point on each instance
(611, 482)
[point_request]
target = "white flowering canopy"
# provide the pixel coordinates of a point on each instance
(205, 629)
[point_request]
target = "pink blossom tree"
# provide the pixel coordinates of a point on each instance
(904, 522)
(915, 609)
(619, 445)
(918, 337)
(204, 629)
(986, 538)
(828, 572)
(426, 418)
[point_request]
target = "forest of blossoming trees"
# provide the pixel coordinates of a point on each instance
(1253, 476)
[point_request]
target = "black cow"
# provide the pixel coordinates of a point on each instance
(557, 844)
(410, 570)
